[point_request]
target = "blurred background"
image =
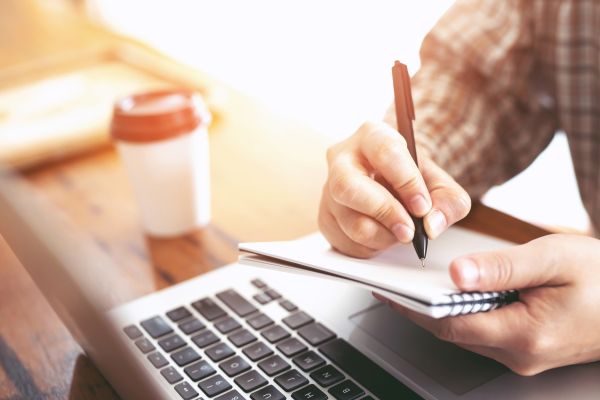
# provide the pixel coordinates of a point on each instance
(325, 64)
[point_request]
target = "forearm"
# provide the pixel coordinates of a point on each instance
(477, 113)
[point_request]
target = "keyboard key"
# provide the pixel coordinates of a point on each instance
(191, 326)
(259, 321)
(257, 351)
(368, 398)
(236, 302)
(316, 334)
(233, 395)
(171, 343)
(297, 320)
(275, 334)
(144, 345)
(185, 356)
(234, 366)
(205, 338)
(291, 347)
(219, 352)
(199, 370)
(132, 332)
(273, 294)
(268, 393)
(209, 309)
(157, 359)
(308, 361)
(178, 314)
(171, 375)
(227, 325)
(258, 283)
(241, 338)
(368, 374)
(214, 386)
(262, 298)
(291, 380)
(310, 392)
(185, 390)
(347, 390)
(327, 376)
(273, 365)
(250, 381)
(288, 305)
(156, 327)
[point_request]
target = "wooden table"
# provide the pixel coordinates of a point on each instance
(267, 176)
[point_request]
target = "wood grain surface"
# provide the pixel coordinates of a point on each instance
(266, 177)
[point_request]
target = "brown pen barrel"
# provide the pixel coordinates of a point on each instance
(405, 114)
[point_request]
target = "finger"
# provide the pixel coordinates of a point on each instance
(350, 186)
(451, 203)
(533, 264)
(386, 151)
(481, 329)
(338, 239)
(361, 228)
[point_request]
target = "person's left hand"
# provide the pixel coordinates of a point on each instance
(556, 320)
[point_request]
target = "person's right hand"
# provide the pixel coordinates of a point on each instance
(374, 186)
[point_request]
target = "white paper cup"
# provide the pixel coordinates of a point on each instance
(163, 141)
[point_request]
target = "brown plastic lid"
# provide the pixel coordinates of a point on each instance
(158, 115)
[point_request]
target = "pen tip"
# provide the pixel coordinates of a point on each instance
(422, 262)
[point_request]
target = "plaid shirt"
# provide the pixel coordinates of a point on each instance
(499, 78)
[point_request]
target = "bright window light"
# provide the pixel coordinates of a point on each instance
(327, 64)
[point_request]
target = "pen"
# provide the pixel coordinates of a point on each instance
(405, 114)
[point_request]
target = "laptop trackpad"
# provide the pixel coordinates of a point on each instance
(456, 369)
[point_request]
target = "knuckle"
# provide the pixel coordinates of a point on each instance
(389, 151)
(537, 344)
(502, 270)
(525, 368)
(551, 250)
(337, 152)
(343, 188)
(458, 205)
(367, 127)
(409, 184)
(383, 211)
(331, 154)
(446, 330)
(361, 230)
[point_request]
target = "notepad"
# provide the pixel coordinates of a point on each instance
(395, 273)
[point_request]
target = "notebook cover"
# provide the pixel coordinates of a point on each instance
(395, 273)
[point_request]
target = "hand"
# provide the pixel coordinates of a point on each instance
(556, 320)
(372, 187)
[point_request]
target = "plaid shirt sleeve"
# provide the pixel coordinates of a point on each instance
(478, 112)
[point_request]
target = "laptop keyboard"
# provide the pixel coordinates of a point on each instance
(227, 348)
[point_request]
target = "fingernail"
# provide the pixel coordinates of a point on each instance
(419, 206)
(437, 223)
(403, 232)
(468, 273)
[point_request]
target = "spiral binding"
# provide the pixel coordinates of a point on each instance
(474, 302)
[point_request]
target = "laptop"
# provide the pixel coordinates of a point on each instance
(243, 332)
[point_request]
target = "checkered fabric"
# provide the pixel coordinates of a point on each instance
(498, 78)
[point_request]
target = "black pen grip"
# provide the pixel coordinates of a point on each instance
(420, 240)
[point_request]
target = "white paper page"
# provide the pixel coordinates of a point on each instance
(397, 269)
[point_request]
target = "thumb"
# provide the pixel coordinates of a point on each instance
(530, 265)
